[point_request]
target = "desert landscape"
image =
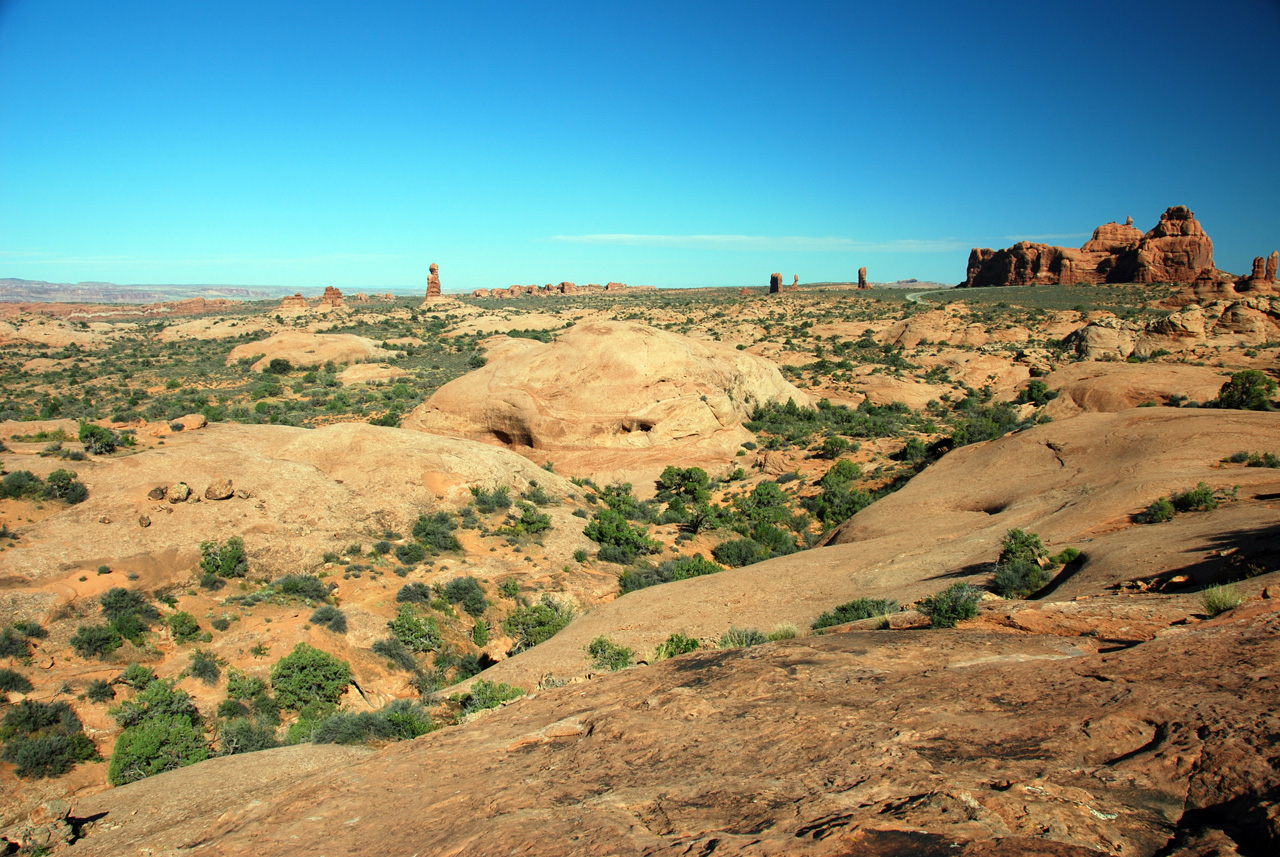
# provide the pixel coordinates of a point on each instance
(827, 570)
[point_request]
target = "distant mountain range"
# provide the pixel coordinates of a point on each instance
(39, 291)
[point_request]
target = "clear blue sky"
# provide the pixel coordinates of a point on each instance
(352, 144)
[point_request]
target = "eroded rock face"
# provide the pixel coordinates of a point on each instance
(303, 348)
(331, 299)
(433, 282)
(1176, 250)
(1246, 320)
(775, 283)
(608, 386)
(862, 278)
(294, 303)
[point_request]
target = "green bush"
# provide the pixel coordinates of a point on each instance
(619, 541)
(62, 485)
(1021, 546)
(484, 694)
(401, 720)
(328, 616)
(677, 569)
(1037, 392)
(159, 744)
(946, 608)
(44, 739)
(14, 682)
(1066, 557)
(852, 611)
(411, 553)
(415, 593)
(224, 560)
(158, 699)
(436, 533)
(467, 592)
(308, 675)
(1158, 512)
(1247, 390)
(20, 484)
(278, 366)
(530, 523)
(305, 586)
(1264, 459)
(480, 633)
(676, 644)
(183, 626)
(605, 654)
(739, 552)
(531, 624)
(1219, 599)
(1197, 499)
(204, 667)
(100, 690)
(488, 502)
(242, 735)
(98, 440)
(14, 645)
(737, 638)
(95, 640)
(1019, 578)
(416, 633)
(128, 613)
(137, 676)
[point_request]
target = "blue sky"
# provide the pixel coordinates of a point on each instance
(352, 144)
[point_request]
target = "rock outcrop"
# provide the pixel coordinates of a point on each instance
(862, 279)
(795, 284)
(1176, 250)
(608, 396)
(1273, 262)
(433, 283)
(1242, 321)
(303, 348)
(294, 303)
(331, 299)
(775, 283)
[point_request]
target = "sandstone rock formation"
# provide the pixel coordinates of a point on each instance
(1243, 321)
(795, 284)
(1176, 250)
(294, 303)
(331, 299)
(1273, 262)
(303, 348)
(433, 283)
(608, 396)
(775, 283)
(862, 279)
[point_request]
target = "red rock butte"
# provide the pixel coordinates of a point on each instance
(1176, 250)
(331, 299)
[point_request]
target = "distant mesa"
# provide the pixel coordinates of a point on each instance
(331, 300)
(296, 304)
(1176, 250)
(552, 289)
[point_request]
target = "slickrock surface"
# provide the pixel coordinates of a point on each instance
(612, 399)
(971, 742)
(302, 348)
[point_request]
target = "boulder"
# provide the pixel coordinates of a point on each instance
(179, 493)
(157, 493)
(219, 490)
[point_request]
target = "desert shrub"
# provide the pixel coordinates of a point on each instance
(852, 611)
(30, 630)
(62, 485)
(530, 523)
(1023, 546)
(401, 720)
(98, 440)
(230, 709)
(531, 624)
(1158, 512)
(1219, 599)
(1037, 393)
(608, 655)
(480, 633)
(739, 552)
(1066, 557)
(278, 366)
(222, 623)
(510, 588)
(44, 739)
(946, 608)
(100, 690)
(242, 735)
(21, 483)
(1018, 578)
(785, 631)
(536, 495)
(1197, 499)
(14, 645)
(466, 591)
(158, 699)
(833, 447)
(737, 638)
(308, 675)
(677, 569)
(183, 626)
(676, 644)
(415, 593)
(305, 586)
(224, 560)
(128, 612)
(95, 640)
(243, 686)
(14, 682)
(484, 694)
(436, 532)
(159, 744)
(1247, 390)
(328, 616)
(619, 541)
(1263, 459)
(204, 667)
(382, 547)
(488, 502)
(137, 676)
(416, 633)
(411, 553)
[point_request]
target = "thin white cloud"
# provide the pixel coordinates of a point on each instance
(828, 244)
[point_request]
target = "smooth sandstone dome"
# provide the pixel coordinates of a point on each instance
(623, 394)
(303, 348)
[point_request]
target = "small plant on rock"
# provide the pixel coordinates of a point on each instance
(951, 605)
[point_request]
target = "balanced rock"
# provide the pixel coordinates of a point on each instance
(775, 283)
(219, 490)
(433, 283)
(795, 284)
(1176, 250)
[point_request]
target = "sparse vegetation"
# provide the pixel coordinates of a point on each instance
(853, 611)
(605, 654)
(950, 606)
(675, 645)
(1217, 600)
(44, 739)
(531, 624)
(307, 675)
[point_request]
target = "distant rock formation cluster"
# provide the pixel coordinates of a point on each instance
(296, 304)
(1176, 250)
(331, 299)
(554, 289)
